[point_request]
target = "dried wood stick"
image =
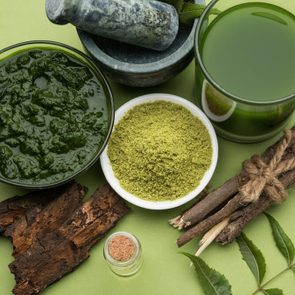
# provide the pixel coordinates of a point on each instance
(233, 205)
(246, 215)
(207, 205)
(217, 197)
(206, 224)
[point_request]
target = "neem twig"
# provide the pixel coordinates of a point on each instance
(235, 227)
(275, 162)
(209, 222)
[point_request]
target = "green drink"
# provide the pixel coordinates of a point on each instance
(255, 43)
(246, 68)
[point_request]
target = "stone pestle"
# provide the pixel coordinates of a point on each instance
(146, 23)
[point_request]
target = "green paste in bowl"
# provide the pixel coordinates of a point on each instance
(160, 151)
(54, 117)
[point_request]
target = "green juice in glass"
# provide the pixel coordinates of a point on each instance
(248, 50)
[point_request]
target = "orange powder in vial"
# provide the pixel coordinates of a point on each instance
(121, 248)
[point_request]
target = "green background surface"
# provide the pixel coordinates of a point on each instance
(164, 270)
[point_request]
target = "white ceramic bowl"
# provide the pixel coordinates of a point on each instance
(160, 205)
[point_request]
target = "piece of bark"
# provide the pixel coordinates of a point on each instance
(246, 215)
(35, 222)
(92, 214)
(222, 194)
(13, 208)
(59, 252)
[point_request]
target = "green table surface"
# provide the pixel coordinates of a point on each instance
(164, 270)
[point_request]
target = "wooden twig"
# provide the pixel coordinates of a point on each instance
(209, 222)
(207, 204)
(237, 202)
(245, 216)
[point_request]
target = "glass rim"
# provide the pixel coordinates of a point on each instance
(212, 81)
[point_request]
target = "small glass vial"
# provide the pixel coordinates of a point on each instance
(122, 252)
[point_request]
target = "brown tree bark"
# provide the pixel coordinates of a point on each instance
(53, 237)
(13, 208)
(36, 222)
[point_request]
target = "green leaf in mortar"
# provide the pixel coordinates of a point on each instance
(188, 11)
(283, 242)
(178, 4)
(274, 291)
(252, 256)
(191, 11)
(212, 282)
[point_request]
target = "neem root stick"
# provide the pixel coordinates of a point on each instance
(236, 225)
(267, 177)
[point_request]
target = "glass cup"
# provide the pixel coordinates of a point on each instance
(236, 118)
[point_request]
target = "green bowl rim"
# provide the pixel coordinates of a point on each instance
(107, 89)
(212, 81)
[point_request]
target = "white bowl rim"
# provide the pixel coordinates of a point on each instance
(161, 205)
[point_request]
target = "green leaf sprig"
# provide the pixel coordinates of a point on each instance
(188, 11)
(214, 283)
(253, 257)
(178, 4)
(283, 242)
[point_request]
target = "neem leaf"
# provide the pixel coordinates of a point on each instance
(190, 11)
(212, 282)
(283, 242)
(178, 4)
(252, 256)
(273, 292)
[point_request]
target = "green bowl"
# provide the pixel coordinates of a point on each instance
(109, 111)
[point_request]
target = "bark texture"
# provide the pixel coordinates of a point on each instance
(54, 234)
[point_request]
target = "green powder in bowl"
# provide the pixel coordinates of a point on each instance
(160, 151)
